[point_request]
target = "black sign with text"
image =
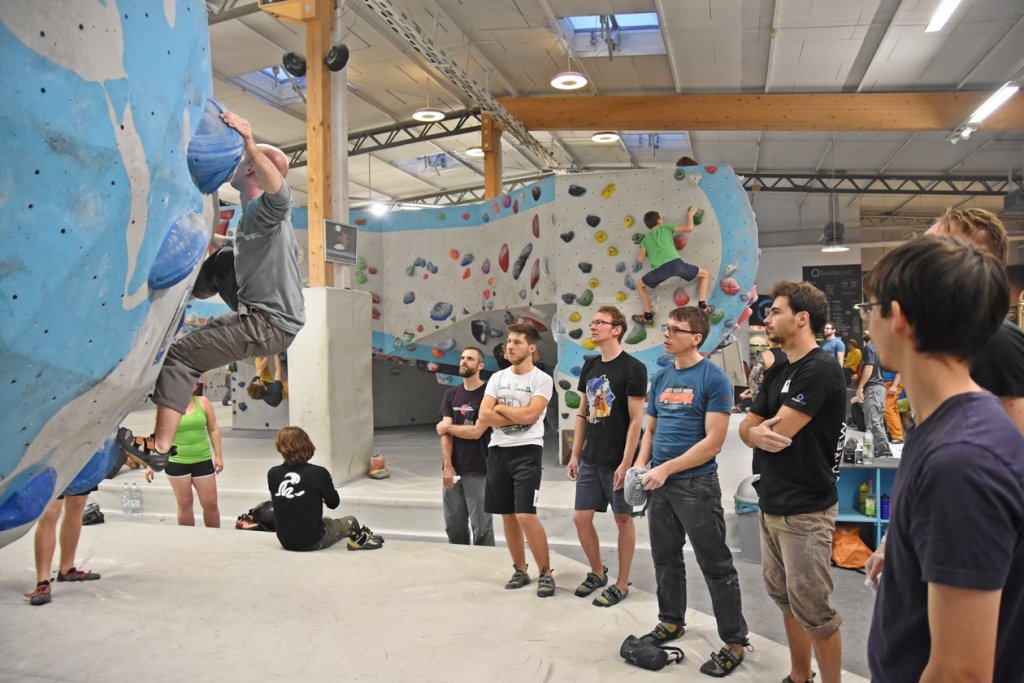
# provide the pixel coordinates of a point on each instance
(842, 286)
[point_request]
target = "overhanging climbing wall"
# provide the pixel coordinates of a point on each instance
(103, 225)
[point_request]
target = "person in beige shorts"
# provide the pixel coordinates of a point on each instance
(797, 429)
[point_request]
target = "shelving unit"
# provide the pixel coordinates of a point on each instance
(882, 471)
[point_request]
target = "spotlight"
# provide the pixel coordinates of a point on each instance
(294, 63)
(337, 57)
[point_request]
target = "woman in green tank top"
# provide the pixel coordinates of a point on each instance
(195, 466)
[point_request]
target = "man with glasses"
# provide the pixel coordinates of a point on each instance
(606, 434)
(950, 603)
(688, 412)
(464, 455)
(797, 430)
(871, 392)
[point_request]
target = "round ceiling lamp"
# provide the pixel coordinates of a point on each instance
(427, 115)
(569, 80)
(605, 137)
(475, 152)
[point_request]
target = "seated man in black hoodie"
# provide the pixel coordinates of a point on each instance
(299, 491)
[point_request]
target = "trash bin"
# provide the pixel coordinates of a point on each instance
(747, 523)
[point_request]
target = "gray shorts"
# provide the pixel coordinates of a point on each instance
(594, 490)
(674, 268)
(796, 553)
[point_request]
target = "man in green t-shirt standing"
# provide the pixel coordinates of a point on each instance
(659, 246)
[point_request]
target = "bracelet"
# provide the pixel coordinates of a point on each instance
(580, 417)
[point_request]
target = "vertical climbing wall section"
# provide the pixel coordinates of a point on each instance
(104, 222)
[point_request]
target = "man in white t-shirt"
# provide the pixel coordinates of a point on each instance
(514, 404)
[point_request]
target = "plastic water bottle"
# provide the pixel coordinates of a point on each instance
(884, 509)
(869, 445)
(126, 502)
(136, 502)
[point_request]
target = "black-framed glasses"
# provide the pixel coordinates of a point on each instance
(673, 331)
(864, 308)
(601, 322)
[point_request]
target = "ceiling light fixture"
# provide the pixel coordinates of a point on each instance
(427, 115)
(997, 100)
(568, 79)
(476, 152)
(605, 137)
(941, 15)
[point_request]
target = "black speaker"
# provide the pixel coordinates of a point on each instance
(295, 64)
(337, 57)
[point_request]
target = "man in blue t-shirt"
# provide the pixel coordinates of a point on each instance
(464, 455)
(832, 345)
(688, 411)
(951, 597)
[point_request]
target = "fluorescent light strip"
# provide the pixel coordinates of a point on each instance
(941, 15)
(997, 100)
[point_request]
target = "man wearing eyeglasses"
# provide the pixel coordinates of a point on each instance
(606, 435)
(797, 430)
(950, 601)
(688, 414)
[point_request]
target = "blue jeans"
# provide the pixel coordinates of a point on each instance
(693, 507)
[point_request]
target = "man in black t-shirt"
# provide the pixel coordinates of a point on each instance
(464, 455)
(299, 491)
(951, 597)
(797, 430)
(871, 393)
(604, 442)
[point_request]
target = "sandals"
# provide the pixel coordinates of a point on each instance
(610, 596)
(144, 448)
(721, 663)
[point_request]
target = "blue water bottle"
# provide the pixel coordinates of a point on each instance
(885, 507)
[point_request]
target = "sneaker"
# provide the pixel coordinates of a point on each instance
(592, 583)
(545, 586)
(789, 679)
(664, 632)
(644, 318)
(365, 540)
(41, 594)
(144, 448)
(722, 663)
(77, 575)
(519, 578)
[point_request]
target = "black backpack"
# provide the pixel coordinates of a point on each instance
(259, 518)
(647, 655)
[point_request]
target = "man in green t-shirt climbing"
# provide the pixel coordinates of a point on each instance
(659, 246)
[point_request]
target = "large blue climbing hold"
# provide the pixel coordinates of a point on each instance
(214, 150)
(25, 503)
(183, 246)
(95, 470)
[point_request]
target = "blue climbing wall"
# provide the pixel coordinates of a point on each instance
(102, 221)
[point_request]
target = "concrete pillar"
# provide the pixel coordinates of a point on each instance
(331, 389)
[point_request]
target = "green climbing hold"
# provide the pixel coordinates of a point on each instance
(637, 334)
(360, 277)
(586, 298)
(360, 264)
(410, 270)
(716, 316)
(698, 217)
(572, 400)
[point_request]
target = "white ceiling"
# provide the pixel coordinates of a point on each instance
(514, 48)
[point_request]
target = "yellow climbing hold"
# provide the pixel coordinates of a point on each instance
(621, 296)
(589, 344)
(600, 236)
(608, 190)
(628, 220)
(575, 317)
(612, 251)
(594, 283)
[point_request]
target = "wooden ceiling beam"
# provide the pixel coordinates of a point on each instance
(908, 111)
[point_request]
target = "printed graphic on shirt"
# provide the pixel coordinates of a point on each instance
(515, 395)
(287, 487)
(600, 398)
(467, 411)
(676, 398)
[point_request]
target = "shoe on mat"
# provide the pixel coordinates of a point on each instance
(611, 596)
(77, 575)
(545, 586)
(592, 583)
(365, 540)
(144, 448)
(41, 594)
(519, 578)
(664, 632)
(722, 663)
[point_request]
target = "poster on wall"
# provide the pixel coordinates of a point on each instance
(340, 242)
(842, 286)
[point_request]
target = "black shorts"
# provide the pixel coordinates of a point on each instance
(197, 470)
(513, 479)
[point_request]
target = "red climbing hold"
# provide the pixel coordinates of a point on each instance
(535, 274)
(503, 258)
(536, 226)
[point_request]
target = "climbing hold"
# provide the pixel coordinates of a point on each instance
(665, 360)
(680, 297)
(637, 334)
(613, 252)
(523, 294)
(585, 267)
(568, 298)
(431, 268)
(711, 169)
(593, 221)
(466, 259)
(485, 218)
(503, 258)
(577, 191)
(454, 254)
(360, 264)
(535, 226)
(515, 207)
(447, 345)
(485, 267)
(575, 333)
(680, 240)
(564, 384)
(214, 150)
(567, 236)
(620, 267)
(517, 267)
(409, 297)
(729, 286)
(535, 192)
(680, 173)
(698, 217)
(608, 190)
(95, 470)
(535, 274)
(637, 237)
(628, 221)
(183, 246)
(572, 400)
(419, 262)
(440, 311)
(600, 236)
(371, 270)
(436, 352)
(594, 283)
(589, 344)
(506, 200)
(695, 179)
(410, 270)
(465, 216)
(730, 269)
(433, 367)
(441, 215)
(495, 208)
(586, 298)
(621, 296)
(637, 266)
(575, 317)
(466, 273)
(716, 316)
(629, 283)
(360, 277)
